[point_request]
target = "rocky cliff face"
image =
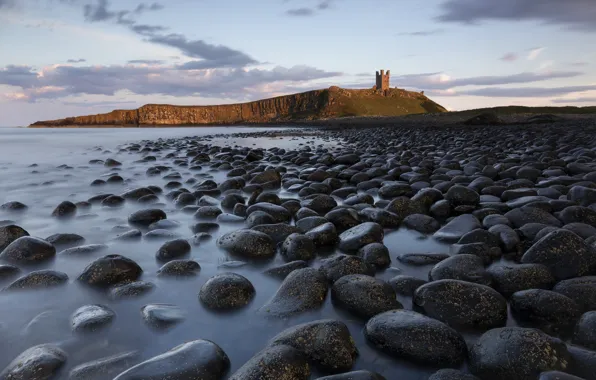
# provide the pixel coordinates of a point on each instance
(311, 105)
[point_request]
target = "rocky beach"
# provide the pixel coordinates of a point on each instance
(420, 248)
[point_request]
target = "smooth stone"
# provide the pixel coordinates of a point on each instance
(28, 250)
(327, 344)
(310, 222)
(557, 375)
(132, 235)
(173, 249)
(248, 243)
(144, 218)
(585, 331)
(357, 237)
(90, 318)
(297, 247)
(511, 278)
(162, 316)
(383, 217)
(460, 195)
(451, 374)
(363, 296)
(284, 270)
(303, 290)
(110, 270)
(197, 359)
(278, 231)
(324, 235)
(41, 362)
(581, 289)
(341, 265)
(8, 271)
(181, 268)
(521, 216)
(461, 267)
(65, 209)
(227, 291)
(84, 250)
(583, 362)
(419, 259)
(462, 304)
(375, 255)
(104, 368)
(354, 375)
(422, 223)
(457, 227)
(131, 290)
(41, 279)
(65, 240)
(9, 234)
(276, 362)
(406, 285)
(550, 311)
(405, 334)
(279, 213)
(516, 353)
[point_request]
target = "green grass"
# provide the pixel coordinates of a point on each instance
(382, 106)
(513, 110)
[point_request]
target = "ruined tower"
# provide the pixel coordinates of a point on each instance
(383, 80)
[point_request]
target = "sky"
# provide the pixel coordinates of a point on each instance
(62, 58)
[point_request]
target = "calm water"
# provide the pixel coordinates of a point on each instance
(43, 316)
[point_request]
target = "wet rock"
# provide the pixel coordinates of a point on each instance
(327, 344)
(278, 231)
(460, 195)
(160, 234)
(457, 227)
(104, 368)
(138, 193)
(131, 290)
(578, 214)
(207, 212)
(226, 291)
(422, 223)
(162, 316)
(383, 217)
(65, 209)
(179, 268)
(277, 362)
(284, 270)
(550, 311)
(511, 278)
(324, 235)
(338, 266)
(279, 213)
(581, 195)
(173, 249)
(40, 279)
(508, 239)
(303, 290)
(110, 162)
(357, 237)
(557, 375)
(516, 353)
(582, 290)
(259, 217)
(462, 304)
(113, 201)
(110, 270)
(363, 296)
(9, 234)
(229, 219)
(197, 359)
(564, 253)
(408, 335)
(297, 247)
(65, 240)
(321, 204)
(406, 285)
(36, 363)
(354, 375)
(248, 243)
(144, 218)
(84, 250)
(461, 267)
(585, 231)
(419, 259)
(343, 218)
(14, 206)
(8, 271)
(375, 255)
(90, 318)
(451, 374)
(308, 223)
(521, 216)
(28, 250)
(583, 362)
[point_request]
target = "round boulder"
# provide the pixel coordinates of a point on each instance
(91, 318)
(173, 249)
(36, 363)
(110, 270)
(248, 243)
(298, 247)
(28, 250)
(363, 296)
(226, 291)
(357, 237)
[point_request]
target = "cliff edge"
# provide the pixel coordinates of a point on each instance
(333, 102)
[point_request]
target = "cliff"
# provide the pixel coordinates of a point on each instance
(312, 105)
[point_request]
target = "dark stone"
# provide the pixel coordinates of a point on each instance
(564, 253)
(338, 266)
(179, 268)
(226, 291)
(357, 237)
(113, 201)
(160, 234)
(279, 213)
(327, 344)
(248, 243)
(582, 362)
(173, 249)
(84, 250)
(284, 270)
(511, 278)
(323, 235)
(375, 255)
(10, 233)
(110, 270)
(406, 285)
(65, 209)
(308, 223)
(104, 368)
(208, 212)
(90, 318)
(461, 267)
(132, 235)
(28, 250)
(585, 331)
(40, 279)
(460, 195)
(550, 311)
(383, 217)
(578, 214)
(422, 223)
(297, 247)
(451, 374)
(277, 362)
(343, 218)
(131, 290)
(162, 316)
(303, 290)
(516, 353)
(408, 335)
(585, 231)
(354, 375)
(462, 304)
(321, 203)
(363, 296)
(259, 217)
(582, 290)
(14, 206)
(557, 375)
(457, 227)
(144, 218)
(65, 240)
(198, 359)
(41, 362)
(8, 271)
(419, 259)
(278, 231)
(521, 216)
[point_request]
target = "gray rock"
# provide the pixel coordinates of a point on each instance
(297, 247)
(461, 267)
(65, 209)
(327, 344)
(65, 240)
(90, 318)
(162, 316)
(321, 203)
(303, 290)
(557, 375)
(8, 271)
(582, 290)
(343, 218)
(460, 195)
(408, 335)
(422, 223)
(357, 237)
(354, 375)
(584, 196)
(131, 290)
(375, 255)
(198, 359)
(9, 234)
(279, 213)
(457, 227)
(462, 304)
(84, 250)
(110, 270)
(173, 249)
(405, 285)
(508, 239)
(248, 243)
(583, 230)
(511, 278)
(105, 368)
(550, 311)
(363, 296)
(578, 214)
(282, 271)
(132, 235)
(323, 235)
(278, 231)
(583, 362)
(308, 223)
(564, 253)
(259, 217)
(144, 218)
(226, 291)
(521, 216)
(179, 268)
(41, 362)
(451, 374)
(383, 217)
(419, 259)
(516, 353)
(338, 266)
(585, 331)
(28, 250)
(277, 362)
(40, 279)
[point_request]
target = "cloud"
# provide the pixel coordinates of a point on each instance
(7, 3)
(148, 7)
(534, 53)
(212, 55)
(575, 14)
(60, 81)
(80, 60)
(109, 103)
(422, 33)
(322, 5)
(509, 57)
(526, 92)
(576, 100)
(146, 62)
(300, 12)
(147, 29)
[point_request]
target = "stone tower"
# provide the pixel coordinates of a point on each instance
(383, 80)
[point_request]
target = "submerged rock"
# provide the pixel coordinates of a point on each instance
(91, 318)
(41, 279)
(364, 296)
(227, 291)
(277, 362)
(36, 363)
(110, 270)
(248, 243)
(104, 368)
(28, 250)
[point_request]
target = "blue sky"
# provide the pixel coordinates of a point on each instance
(61, 58)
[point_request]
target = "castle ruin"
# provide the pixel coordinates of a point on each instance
(383, 80)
